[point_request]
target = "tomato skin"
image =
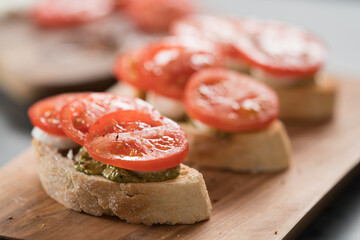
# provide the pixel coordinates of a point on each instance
(126, 69)
(202, 26)
(44, 114)
(63, 13)
(77, 116)
(230, 101)
(157, 15)
(120, 4)
(137, 140)
(166, 66)
(279, 48)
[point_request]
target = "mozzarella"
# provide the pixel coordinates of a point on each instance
(201, 126)
(126, 90)
(274, 80)
(53, 140)
(171, 108)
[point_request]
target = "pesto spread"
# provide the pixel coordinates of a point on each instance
(86, 164)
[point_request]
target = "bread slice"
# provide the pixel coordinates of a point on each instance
(266, 150)
(308, 103)
(183, 200)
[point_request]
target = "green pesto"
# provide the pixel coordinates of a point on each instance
(86, 164)
(221, 134)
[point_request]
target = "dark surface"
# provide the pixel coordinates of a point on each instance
(341, 219)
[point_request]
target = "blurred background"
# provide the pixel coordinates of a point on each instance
(335, 21)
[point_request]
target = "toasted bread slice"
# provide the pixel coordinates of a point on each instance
(308, 103)
(183, 200)
(266, 150)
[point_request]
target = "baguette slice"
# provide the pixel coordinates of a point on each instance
(183, 200)
(267, 150)
(308, 103)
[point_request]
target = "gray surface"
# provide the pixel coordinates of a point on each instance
(14, 129)
(338, 22)
(341, 219)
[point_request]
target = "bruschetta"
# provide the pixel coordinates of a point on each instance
(286, 57)
(108, 155)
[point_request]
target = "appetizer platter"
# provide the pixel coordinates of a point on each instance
(244, 206)
(190, 136)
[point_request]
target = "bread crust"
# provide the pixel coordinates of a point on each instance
(309, 102)
(183, 200)
(266, 150)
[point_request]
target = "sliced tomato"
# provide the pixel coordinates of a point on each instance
(221, 30)
(214, 28)
(126, 69)
(137, 140)
(230, 101)
(77, 116)
(44, 114)
(165, 66)
(157, 15)
(280, 49)
(58, 13)
(120, 4)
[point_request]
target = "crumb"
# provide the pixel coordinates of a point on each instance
(276, 232)
(10, 218)
(215, 200)
(178, 235)
(42, 226)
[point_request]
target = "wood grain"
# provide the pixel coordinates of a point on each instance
(266, 206)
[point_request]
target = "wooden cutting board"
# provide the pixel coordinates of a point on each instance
(245, 206)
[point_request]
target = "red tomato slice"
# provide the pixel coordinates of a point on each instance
(120, 4)
(137, 140)
(280, 49)
(58, 13)
(230, 101)
(221, 30)
(126, 67)
(77, 116)
(44, 114)
(217, 29)
(157, 15)
(165, 66)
